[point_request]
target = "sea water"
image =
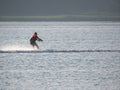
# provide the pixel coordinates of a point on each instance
(64, 69)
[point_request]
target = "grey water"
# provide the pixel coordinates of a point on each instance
(76, 56)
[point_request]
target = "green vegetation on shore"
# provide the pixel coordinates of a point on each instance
(60, 18)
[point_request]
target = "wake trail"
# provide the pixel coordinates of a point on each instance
(55, 51)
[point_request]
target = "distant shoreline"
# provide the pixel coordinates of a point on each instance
(61, 18)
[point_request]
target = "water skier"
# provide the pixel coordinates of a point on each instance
(33, 40)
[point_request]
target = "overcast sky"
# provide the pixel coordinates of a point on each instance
(57, 7)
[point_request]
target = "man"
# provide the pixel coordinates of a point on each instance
(33, 40)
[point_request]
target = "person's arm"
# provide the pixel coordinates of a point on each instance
(39, 39)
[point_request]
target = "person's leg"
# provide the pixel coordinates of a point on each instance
(32, 45)
(37, 45)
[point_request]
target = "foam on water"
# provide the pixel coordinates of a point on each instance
(15, 48)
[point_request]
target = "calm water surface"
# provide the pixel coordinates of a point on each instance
(60, 70)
